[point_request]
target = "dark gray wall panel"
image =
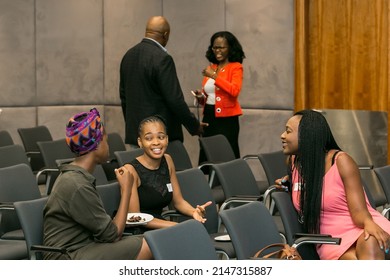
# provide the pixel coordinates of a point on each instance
(192, 24)
(13, 118)
(62, 57)
(17, 67)
(69, 36)
(266, 32)
(113, 120)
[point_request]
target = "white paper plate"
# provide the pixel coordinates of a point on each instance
(145, 218)
(224, 238)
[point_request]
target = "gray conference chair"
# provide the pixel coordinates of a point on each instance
(179, 154)
(124, 157)
(274, 165)
(110, 195)
(17, 183)
(251, 228)
(195, 189)
(187, 240)
(30, 136)
(30, 213)
(5, 138)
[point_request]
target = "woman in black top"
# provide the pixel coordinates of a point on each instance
(155, 181)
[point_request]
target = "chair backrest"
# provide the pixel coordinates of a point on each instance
(217, 148)
(54, 150)
(291, 223)
(124, 157)
(383, 174)
(195, 189)
(5, 138)
(18, 183)
(370, 197)
(30, 136)
(30, 213)
(251, 227)
(274, 165)
(100, 175)
(236, 178)
(179, 155)
(12, 155)
(115, 143)
(110, 195)
(288, 214)
(187, 240)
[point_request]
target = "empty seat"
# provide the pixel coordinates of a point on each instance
(30, 136)
(5, 138)
(188, 240)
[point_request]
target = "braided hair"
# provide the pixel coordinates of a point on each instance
(315, 139)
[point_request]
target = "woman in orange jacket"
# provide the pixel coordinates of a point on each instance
(221, 86)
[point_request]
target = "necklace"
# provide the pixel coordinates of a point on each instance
(220, 67)
(149, 166)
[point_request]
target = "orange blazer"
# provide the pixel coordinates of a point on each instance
(227, 89)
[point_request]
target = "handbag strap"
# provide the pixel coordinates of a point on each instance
(274, 245)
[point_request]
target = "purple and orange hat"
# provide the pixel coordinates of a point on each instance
(84, 131)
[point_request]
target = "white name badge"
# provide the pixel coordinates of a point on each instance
(297, 187)
(169, 186)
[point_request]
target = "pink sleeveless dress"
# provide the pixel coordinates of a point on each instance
(335, 219)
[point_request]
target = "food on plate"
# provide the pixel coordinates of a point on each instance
(135, 219)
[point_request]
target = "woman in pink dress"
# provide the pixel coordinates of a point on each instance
(328, 194)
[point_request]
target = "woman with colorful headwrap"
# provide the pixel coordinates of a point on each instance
(74, 216)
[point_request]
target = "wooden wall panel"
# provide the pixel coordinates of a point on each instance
(342, 54)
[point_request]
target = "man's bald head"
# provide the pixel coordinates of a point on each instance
(158, 29)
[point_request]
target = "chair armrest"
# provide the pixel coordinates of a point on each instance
(33, 153)
(386, 213)
(170, 213)
(316, 239)
(7, 206)
(174, 215)
(242, 199)
(205, 164)
(46, 170)
(36, 249)
(246, 157)
(42, 248)
(366, 167)
(267, 198)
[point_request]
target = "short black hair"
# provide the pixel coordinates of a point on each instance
(151, 119)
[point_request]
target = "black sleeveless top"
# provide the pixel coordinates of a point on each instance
(153, 192)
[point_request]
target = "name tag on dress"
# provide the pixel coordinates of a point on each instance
(169, 186)
(297, 187)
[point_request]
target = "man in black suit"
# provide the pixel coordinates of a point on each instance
(149, 85)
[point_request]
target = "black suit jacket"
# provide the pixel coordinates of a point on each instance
(149, 86)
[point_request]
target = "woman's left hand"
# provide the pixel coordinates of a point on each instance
(200, 212)
(381, 236)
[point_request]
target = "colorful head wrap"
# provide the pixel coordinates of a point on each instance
(84, 132)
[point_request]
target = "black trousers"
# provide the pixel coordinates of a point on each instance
(228, 126)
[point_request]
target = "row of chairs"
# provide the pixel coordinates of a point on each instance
(249, 226)
(19, 181)
(239, 183)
